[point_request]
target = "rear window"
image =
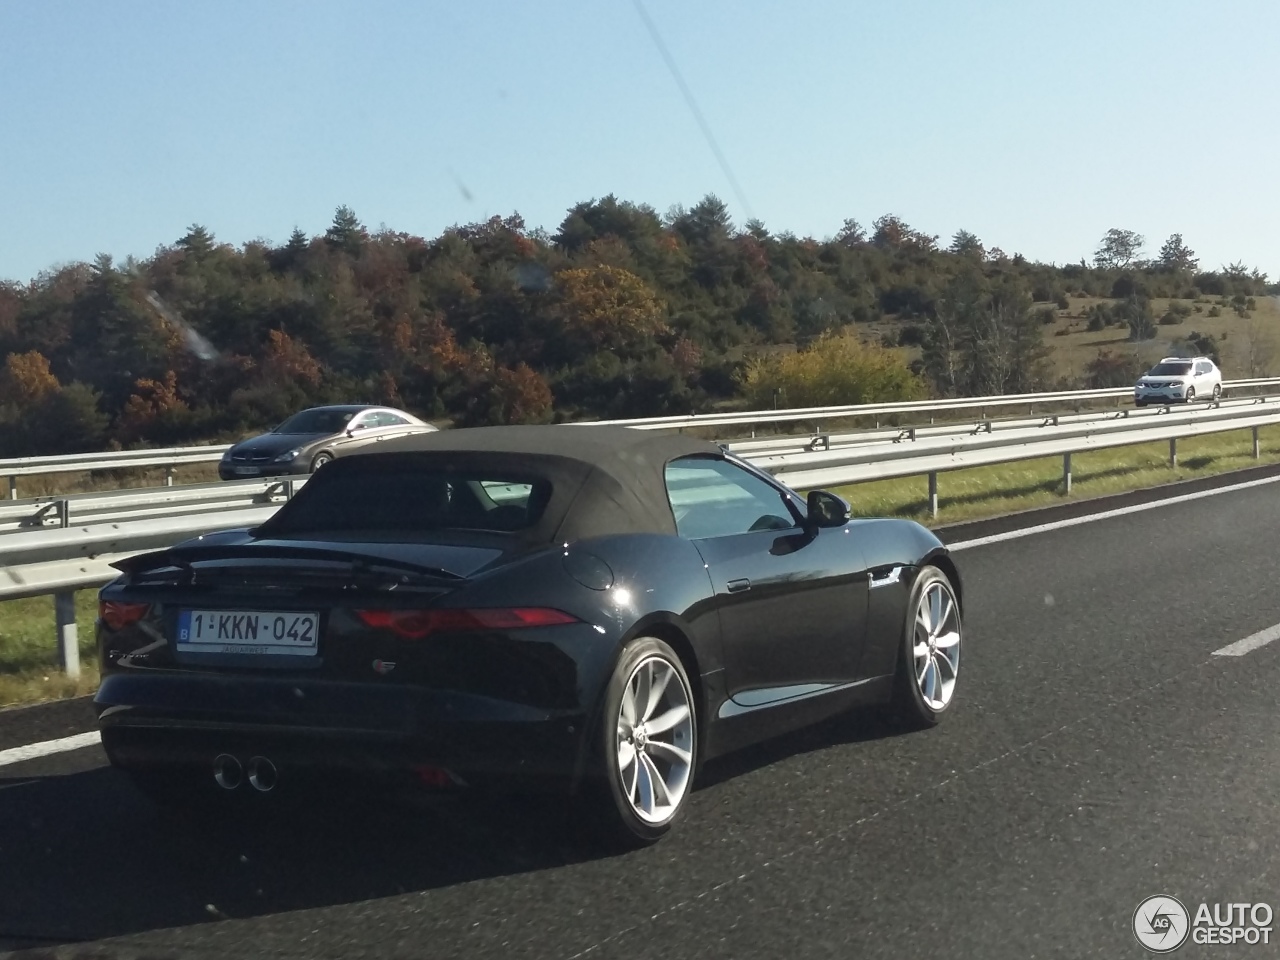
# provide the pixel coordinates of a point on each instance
(1170, 370)
(409, 500)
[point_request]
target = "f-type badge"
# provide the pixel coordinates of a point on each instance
(383, 666)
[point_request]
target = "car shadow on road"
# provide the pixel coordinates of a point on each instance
(86, 857)
(856, 726)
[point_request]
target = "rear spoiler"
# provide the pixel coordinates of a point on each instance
(184, 559)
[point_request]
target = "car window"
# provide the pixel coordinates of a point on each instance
(715, 498)
(1170, 370)
(406, 499)
(391, 420)
(316, 422)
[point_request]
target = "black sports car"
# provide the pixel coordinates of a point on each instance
(594, 610)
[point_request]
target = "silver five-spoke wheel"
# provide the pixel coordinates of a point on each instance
(655, 740)
(937, 645)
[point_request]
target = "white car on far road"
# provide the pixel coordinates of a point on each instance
(1179, 380)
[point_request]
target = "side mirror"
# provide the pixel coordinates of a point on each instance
(827, 510)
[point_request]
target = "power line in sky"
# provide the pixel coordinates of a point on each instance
(693, 107)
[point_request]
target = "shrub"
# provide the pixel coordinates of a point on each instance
(1063, 302)
(1109, 369)
(1214, 311)
(1171, 319)
(1046, 315)
(832, 370)
(911, 335)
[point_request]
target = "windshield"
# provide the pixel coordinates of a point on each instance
(407, 499)
(316, 421)
(1170, 370)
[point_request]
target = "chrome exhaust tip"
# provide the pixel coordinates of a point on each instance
(263, 775)
(227, 771)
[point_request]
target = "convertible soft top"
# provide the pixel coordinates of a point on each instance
(604, 480)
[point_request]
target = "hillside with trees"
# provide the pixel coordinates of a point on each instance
(621, 312)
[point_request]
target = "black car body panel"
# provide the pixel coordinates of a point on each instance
(777, 628)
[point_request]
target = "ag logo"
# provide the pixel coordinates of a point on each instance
(1161, 924)
(383, 667)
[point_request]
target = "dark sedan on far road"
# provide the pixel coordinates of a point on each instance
(308, 440)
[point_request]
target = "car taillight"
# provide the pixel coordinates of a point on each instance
(116, 615)
(416, 624)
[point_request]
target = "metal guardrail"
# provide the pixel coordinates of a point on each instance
(907, 407)
(172, 457)
(168, 457)
(81, 509)
(59, 545)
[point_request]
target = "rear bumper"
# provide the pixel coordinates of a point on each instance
(174, 720)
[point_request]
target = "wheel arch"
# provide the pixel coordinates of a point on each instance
(941, 559)
(667, 628)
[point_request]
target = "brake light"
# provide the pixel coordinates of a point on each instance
(416, 624)
(116, 615)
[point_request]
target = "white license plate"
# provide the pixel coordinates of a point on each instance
(246, 471)
(248, 631)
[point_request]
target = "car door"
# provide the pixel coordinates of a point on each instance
(791, 602)
(361, 430)
(1206, 379)
(392, 424)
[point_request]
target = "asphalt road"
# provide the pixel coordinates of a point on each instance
(1098, 754)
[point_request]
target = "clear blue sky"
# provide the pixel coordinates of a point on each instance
(1036, 125)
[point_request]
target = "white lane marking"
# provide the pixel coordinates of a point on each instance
(34, 751)
(1250, 643)
(1107, 514)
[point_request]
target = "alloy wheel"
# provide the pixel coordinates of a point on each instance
(937, 645)
(655, 739)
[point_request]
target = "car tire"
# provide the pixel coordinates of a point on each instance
(320, 460)
(919, 699)
(636, 803)
(1191, 395)
(1217, 391)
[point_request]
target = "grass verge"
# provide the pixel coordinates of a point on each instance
(1004, 488)
(29, 669)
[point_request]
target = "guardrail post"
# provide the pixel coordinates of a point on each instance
(1173, 451)
(1257, 447)
(1066, 473)
(64, 611)
(168, 476)
(13, 488)
(64, 513)
(933, 495)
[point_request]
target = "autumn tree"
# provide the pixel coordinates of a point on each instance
(605, 308)
(1119, 249)
(346, 232)
(1177, 256)
(154, 409)
(966, 244)
(26, 379)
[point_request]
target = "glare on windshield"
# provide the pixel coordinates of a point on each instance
(316, 421)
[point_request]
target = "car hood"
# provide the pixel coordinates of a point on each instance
(274, 444)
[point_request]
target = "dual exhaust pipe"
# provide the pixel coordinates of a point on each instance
(229, 773)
